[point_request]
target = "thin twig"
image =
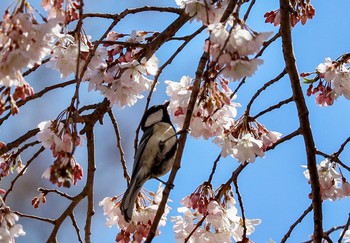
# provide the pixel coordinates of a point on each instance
(298, 221)
(19, 140)
(273, 107)
(240, 200)
(248, 10)
(199, 223)
(22, 172)
(51, 221)
(62, 194)
(342, 147)
(264, 87)
(134, 11)
(346, 227)
(214, 168)
(119, 145)
(76, 226)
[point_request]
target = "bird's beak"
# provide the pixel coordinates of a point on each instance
(166, 104)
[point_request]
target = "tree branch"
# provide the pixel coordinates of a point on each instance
(303, 115)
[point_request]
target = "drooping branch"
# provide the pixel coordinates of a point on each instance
(303, 115)
(119, 144)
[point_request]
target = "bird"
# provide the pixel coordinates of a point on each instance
(154, 156)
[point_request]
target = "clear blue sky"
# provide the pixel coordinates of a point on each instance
(274, 188)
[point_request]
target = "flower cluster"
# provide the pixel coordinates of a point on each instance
(219, 221)
(137, 230)
(230, 45)
(206, 11)
(24, 43)
(302, 11)
(9, 230)
(213, 110)
(123, 77)
(64, 56)
(333, 184)
(246, 139)
(333, 80)
(61, 141)
(9, 162)
(66, 11)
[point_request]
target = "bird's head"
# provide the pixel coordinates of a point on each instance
(155, 114)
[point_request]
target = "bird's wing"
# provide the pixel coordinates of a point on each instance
(142, 145)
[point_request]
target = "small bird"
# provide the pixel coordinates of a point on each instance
(154, 156)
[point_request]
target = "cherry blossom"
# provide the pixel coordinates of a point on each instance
(123, 76)
(302, 10)
(24, 43)
(246, 139)
(137, 230)
(230, 46)
(206, 11)
(221, 222)
(212, 112)
(61, 142)
(329, 180)
(64, 56)
(333, 81)
(65, 11)
(346, 238)
(9, 230)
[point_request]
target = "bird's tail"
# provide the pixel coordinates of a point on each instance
(129, 198)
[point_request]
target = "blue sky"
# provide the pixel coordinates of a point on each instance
(274, 188)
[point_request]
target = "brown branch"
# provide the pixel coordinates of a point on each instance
(214, 168)
(298, 221)
(199, 223)
(35, 96)
(342, 147)
(18, 141)
(346, 227)
(89, 187)
(51, 221)
(62, 194)
(165, 35)
(29, 71)
(228, 11)
(240, 200)
(303, 112)
(119, 145)
(68, 211)
(333, 158)
(227, 185)
(181, 145)
(134, 11)
(284, 138)
(273, 107)
(248, 10)
(76, 226)
(264, 87)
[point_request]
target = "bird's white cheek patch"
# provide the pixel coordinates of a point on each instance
(154, 118)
